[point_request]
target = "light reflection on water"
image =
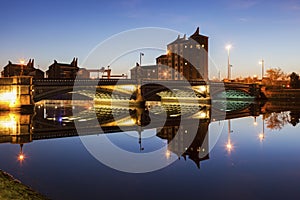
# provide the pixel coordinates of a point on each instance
(256, 157)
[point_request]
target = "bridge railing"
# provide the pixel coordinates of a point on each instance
(84, 82)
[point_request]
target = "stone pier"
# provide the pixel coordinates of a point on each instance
(16, 93)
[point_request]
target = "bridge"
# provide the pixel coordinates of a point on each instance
(18, 92)
(126, 89)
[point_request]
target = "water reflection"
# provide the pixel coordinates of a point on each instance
(55, 119)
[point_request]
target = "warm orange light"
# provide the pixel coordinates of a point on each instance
(8, 98)
(229, 147)
(22, 62)
(261, 136)
(168, 154)
(228, 47)
(21, 157)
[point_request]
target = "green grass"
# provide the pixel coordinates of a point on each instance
(11, 188)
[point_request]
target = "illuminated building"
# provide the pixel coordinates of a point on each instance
(188, 57)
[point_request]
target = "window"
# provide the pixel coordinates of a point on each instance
(191, 46)
(203, 45)
(185, 63)
(198, 46)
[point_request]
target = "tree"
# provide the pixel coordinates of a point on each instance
(294, 80)
(275, 74)
(276, 121)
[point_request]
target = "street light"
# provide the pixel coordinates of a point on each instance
(141, 54)
(228, 47)
(262, 63)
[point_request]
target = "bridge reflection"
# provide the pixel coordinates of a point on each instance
(55, 119)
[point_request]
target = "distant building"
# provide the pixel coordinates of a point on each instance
(187, 57)
(22, 69)
(147, 72)
(83, 73)
(63, 70)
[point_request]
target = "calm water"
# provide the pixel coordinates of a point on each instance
(262, 162)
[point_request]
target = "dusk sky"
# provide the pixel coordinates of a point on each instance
(61, 30)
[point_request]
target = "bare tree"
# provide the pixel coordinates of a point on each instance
(275, 74)
(276, 121)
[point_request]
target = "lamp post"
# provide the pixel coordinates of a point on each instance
(141, 54)
(228, 47)
(262, 62)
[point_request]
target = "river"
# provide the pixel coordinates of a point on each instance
(247, 153)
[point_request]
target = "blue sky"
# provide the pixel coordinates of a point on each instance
(61, 30)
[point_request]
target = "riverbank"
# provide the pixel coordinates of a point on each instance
(11, 188)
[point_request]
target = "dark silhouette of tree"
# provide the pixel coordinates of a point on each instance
(294, 118)
(294, 80)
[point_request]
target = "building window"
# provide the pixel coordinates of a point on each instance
(185, 63)
(191, 46)
(185, 46)
(203, 45)
(198, 46)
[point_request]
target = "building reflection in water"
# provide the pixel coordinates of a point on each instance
(16, 128)
(54, 120)
(195, 151)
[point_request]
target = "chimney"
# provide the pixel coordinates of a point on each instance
(73, 61)
(197, 31)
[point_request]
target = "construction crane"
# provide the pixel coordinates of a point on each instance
(108, 71)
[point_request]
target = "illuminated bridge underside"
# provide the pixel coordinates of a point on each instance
(127, 88)
(234, 94)
(229, 106)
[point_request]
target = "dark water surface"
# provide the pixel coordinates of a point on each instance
(262, 162)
